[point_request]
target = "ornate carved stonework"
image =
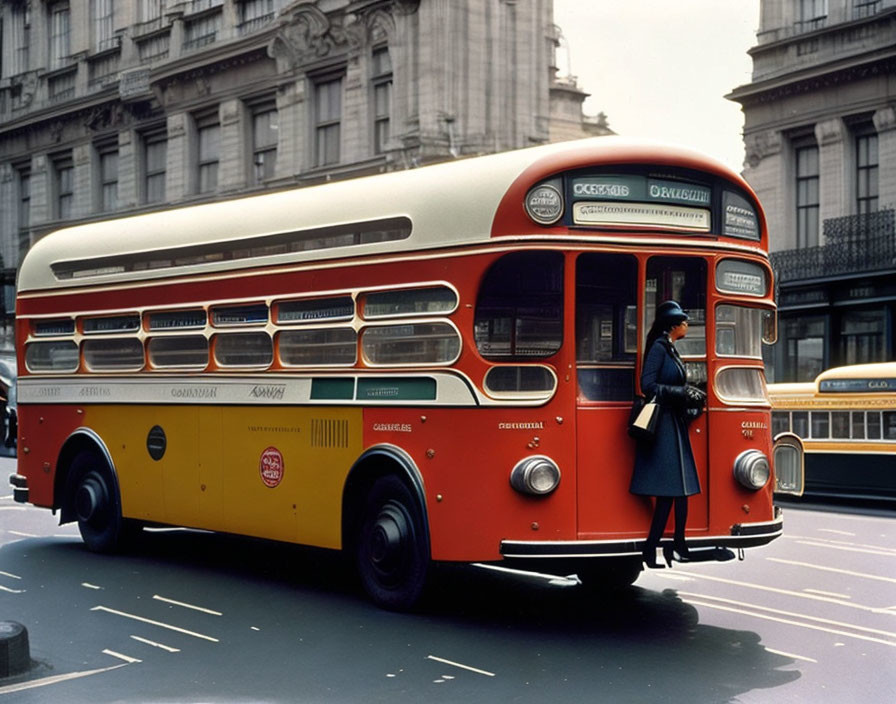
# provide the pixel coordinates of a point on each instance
(760, 145)
(829, 131)
(303, 37)
(885, 119)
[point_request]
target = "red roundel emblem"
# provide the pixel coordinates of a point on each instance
(271, 467)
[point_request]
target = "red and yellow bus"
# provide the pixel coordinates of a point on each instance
(428, 365)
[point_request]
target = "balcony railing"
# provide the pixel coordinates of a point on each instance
(855, 244)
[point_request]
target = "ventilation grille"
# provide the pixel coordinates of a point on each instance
(329, 432)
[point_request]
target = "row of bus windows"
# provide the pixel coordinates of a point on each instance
(407, 343)
(836, 425)
(375, 305)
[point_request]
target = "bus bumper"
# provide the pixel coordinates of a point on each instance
(19, 488)
(742, 535)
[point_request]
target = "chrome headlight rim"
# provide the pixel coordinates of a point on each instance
(746, 466)
(529, 474)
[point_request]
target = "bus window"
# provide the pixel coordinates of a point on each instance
(411, 343)
(179, 351)
(414, 301)
(780, 422)
(889, 425)
(326, 347)
(606, 325)
(873, 425)
(244, 349)
(59, 356)
(801, 423)
(118, 354)
(858, 425)
(519, 313)
(741, 331)
(820, 424)
(681, 279)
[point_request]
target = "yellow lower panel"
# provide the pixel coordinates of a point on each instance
(273, 472)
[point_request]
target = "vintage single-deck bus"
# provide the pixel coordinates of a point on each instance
(429, 365)
(846, 419)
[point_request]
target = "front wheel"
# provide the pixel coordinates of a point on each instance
(97, 505)
(392, 554)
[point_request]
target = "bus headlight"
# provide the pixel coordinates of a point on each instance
(537, 475)
(752, 469)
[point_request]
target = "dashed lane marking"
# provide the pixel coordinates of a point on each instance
(462, 667)
(127, 658)
(155, 623)
(186, 606)
(838, 570)
(156, 645)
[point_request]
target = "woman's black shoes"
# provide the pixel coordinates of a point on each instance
(648, 557)
(671, 554)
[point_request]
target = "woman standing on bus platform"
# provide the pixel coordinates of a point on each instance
(666, 469)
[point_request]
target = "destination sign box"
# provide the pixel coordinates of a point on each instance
(642, 189)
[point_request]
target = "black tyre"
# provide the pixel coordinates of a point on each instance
(392, 554)
(610, 574)
(97, 505)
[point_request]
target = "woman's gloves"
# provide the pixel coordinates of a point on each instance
(696, 398)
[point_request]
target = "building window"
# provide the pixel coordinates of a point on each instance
(807, 201)
(804, 340)
(862, 336)
(60, 34)
(327, 122)
(107, 171)
(101, 17)
(813, 14)
(20, 19)
(201, 32)
(866, 173)
(382, 98)
(155, 156)
(254, 14)
(208, 139)
(150, 10)
(264, 141)
(63, 187)
(24, 206)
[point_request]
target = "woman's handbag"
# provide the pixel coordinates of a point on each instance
(643, 419)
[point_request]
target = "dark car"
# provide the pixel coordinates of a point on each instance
(8, 404)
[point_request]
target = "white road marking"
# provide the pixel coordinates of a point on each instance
(790, 655)
(837, 532)
(88, 585)
(156, 645)
(824, 593)
(13, 508)
(127, 658)
(770, 609)
(462, 667)
(11, 591)
(834, 546)
(186, 606)
(10, 575)
(155, 623)
(831, 569)
(828, 542)
(790, 622)
(21, 534)
(788, 592)
(55, 679)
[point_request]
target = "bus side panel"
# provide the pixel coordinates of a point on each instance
(164, 490)
(42, 432)
(465, 458)
(283, 471)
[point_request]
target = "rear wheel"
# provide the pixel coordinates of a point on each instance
(97, 505)
(610, 574)
(392, 554)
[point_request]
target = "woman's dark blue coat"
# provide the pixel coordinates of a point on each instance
(665, 467)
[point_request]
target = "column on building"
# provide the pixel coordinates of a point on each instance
(232, 169)
(885, 124)
(128, 168)
(83, 181)
(41, 207)
(177, 162)
(766, 174)
(8, 213)
(831, 136)
(291, 128)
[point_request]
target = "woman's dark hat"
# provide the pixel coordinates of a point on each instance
(670, 312)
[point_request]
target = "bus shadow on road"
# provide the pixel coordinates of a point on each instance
(622, 639)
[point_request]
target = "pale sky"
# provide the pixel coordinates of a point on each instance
(660, 69)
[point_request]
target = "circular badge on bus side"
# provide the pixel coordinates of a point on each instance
(270, 466)
(544, 204)
(156, 442)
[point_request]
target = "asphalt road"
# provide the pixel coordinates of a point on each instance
(199, 617)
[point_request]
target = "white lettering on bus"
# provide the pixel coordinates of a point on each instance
(535, 425)
(195, 392)
(615, 190)
(274, 393)
(392, 427)
(691, 195)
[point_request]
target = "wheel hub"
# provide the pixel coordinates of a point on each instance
(389, 539)
(89, 499)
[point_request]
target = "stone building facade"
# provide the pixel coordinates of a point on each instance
(820, 136)
(115, 107)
